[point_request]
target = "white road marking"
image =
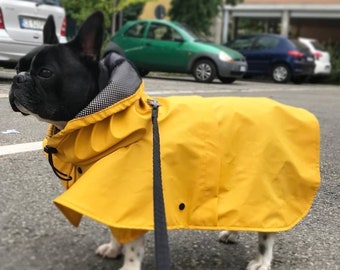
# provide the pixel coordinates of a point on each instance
(20, 148)
(3, 95)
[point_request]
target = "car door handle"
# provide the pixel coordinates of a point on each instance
(148, 44)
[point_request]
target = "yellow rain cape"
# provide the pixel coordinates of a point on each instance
(235, 163)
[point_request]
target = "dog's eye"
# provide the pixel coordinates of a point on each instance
(45, 73)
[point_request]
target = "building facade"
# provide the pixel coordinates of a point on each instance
(156, 10)
(306, 18)
(295, 18)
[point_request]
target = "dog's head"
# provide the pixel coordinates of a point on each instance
(55, 81)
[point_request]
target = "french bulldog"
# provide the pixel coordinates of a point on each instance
(54, 82)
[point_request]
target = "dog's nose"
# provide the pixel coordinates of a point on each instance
(20, 78)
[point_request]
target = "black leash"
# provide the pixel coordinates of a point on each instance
(162, 252)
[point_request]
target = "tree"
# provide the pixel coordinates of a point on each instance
(79, 10)
(233, 2)
(197, 14)
(133, 11)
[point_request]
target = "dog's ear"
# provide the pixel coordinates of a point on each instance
(49, 31)
(90, 36)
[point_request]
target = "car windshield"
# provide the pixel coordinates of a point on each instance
(187, 30)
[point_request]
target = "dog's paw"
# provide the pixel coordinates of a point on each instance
(109, 250)
(129, 268)
(228, 237)
(257, 265)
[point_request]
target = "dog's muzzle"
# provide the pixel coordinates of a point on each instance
(18, 80)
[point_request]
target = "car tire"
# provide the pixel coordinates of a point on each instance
(281, 73)
(227, 79)
(8, 64)
(204, 71)
(143, 72)
(318, 79)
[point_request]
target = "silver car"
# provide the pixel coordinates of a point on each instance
(21, 24)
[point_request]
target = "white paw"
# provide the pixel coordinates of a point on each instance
(129, 267)
(109, 250)
(228, 237)
(257, 265)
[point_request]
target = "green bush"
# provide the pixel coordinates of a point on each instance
(334, 51)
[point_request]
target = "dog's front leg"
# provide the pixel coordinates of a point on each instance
(110, 250)
(227, 237)
(133, 254)
(265, 252)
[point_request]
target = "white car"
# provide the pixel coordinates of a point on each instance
(323, 65)
(21, 24)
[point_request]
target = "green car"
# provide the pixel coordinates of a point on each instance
(165, 46)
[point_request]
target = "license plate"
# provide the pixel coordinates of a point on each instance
(243, 68)
(310, 59)
(31, 23)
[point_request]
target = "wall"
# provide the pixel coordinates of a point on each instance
(149, 9)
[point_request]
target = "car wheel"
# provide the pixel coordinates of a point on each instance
(204, 71)
(143, 72)
(317, 79)
(227, 79)
(281, 73)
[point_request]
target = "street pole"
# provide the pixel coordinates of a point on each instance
(113, 24)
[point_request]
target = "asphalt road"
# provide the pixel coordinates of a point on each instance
(35, 236)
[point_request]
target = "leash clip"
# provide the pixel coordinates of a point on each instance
(153, 103)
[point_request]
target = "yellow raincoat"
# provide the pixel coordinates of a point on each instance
(235, 163)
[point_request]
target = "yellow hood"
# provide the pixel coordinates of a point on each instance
(227, 163)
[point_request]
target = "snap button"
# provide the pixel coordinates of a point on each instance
(79, 170)
(181, 206)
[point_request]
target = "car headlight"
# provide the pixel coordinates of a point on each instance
(223, 56)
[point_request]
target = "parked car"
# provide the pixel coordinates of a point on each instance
(165, 46)
(277, 56)
(21, 24)
(323, 65)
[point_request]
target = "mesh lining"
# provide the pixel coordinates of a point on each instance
(124, 81)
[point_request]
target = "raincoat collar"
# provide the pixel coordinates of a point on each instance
(123, 82)
(124, 87)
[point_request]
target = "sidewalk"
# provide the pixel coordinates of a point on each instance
(6, 74)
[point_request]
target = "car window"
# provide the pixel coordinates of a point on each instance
(265, 43)
(187, 30)
(241, 43)
(46, 2)
(318, 46)
(299, 45)
(162, 32)
(136, 30)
